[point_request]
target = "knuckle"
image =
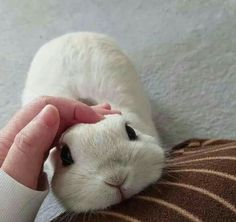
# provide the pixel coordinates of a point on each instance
(43, 100)
(23, 141)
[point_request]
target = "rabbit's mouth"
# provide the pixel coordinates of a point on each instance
(118, 185)
(122, 195)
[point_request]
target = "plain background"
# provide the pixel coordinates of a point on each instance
(184, 51)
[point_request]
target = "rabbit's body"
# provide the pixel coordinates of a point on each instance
(90, 67)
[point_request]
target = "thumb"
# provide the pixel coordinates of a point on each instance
(25, 158)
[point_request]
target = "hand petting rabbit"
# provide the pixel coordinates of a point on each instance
(99, 164)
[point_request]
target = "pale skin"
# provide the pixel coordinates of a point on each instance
(28, 137)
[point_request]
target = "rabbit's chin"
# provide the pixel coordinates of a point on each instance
(95, 195)
(96, 203)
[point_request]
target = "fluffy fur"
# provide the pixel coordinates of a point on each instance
(89, 66)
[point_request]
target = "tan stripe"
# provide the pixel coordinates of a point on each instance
(203, 151)
(211, 141)
(205, 192)
(119, 215)
(194, 144)
(213, 172)
(211, 151)
(178, 151)
(202, 159)
(174, 207)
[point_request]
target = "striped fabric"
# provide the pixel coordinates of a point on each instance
(199, 184)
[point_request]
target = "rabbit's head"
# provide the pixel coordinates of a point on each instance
(101, 164)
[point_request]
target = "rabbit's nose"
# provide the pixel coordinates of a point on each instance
(116, 182)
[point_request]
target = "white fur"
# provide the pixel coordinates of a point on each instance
(91, 66)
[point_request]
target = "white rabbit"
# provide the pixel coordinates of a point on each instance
(101, 164)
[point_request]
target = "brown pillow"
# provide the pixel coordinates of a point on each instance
(199, 184)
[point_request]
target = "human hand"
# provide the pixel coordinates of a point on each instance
(27, 138)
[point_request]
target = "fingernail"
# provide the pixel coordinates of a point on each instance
(49, 115)
(86, 115)
(117, 112)
(101, 117)
(107, 105)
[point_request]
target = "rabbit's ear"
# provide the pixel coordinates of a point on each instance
(51, 162)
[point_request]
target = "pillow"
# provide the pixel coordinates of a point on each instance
(198, 184)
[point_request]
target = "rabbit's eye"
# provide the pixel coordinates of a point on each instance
(66, 156)
(130, 132)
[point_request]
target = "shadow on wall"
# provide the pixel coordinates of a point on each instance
(192, 84)
(182, 129)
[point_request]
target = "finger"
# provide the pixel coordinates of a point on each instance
(103, 105)
(105, 111)
(102, 109)
(71, 111)
(26, 155)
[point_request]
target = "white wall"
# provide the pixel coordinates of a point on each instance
(184, 51)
